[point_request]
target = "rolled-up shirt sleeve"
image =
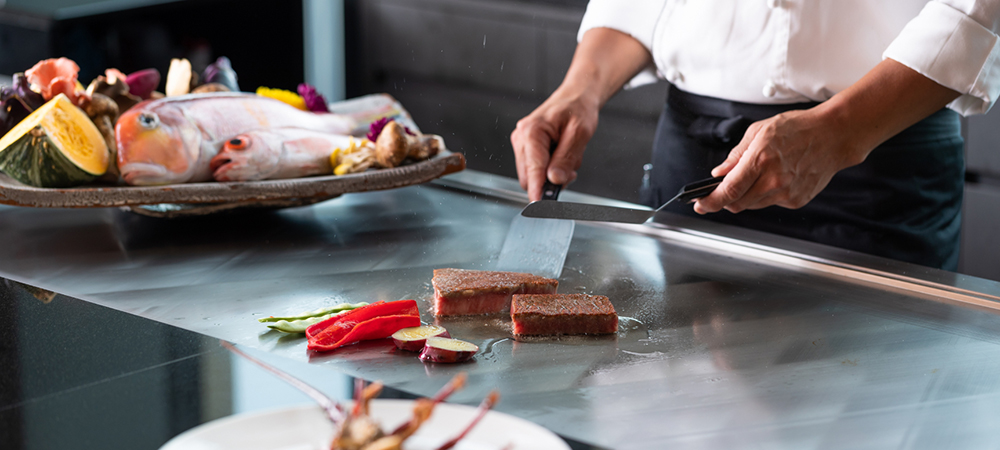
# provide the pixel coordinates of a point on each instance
(637, 18)
(955, 43)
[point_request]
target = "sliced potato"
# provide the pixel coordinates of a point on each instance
(412, 339)
(447, 350)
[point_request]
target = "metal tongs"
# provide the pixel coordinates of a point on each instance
(552, 209)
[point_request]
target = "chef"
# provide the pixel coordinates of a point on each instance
(834, 121)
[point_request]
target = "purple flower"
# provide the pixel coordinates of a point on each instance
(314, 101)
(376, 128)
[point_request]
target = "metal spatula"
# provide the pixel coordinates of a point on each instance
(549, 209)
(537, 246)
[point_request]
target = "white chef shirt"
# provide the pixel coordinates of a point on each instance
(788, 51)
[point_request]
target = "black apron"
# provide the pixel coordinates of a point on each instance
(903, 202)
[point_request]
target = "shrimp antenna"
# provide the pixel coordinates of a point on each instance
(456, 383)
(332, 408)
(484, 407)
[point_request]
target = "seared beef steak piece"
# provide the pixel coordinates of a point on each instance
(552, 314)
(459, 292)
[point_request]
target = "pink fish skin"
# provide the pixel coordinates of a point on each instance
(276, 153)
(173, 139)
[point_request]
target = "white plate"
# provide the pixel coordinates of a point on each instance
(307, 428)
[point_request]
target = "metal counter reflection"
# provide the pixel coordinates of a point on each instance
(728, 338)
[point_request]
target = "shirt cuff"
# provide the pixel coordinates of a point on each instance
(637, 20)
(955, 51)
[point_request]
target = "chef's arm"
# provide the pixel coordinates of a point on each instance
(788, 159)
(605, 59)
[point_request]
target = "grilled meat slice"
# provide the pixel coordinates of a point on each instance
(554, 314)
(459, 292)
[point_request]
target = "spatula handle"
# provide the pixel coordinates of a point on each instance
(693, 191)
(551, 191)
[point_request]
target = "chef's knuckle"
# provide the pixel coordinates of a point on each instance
(726, 193)
(767, 185)
(525, 125)
(794, 201)
(772, 158)
(577, 132)
(782, 180)
(766, 128)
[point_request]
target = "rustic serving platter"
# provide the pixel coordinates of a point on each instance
(190, 199)
(209, 197)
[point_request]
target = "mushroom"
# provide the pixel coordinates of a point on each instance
(103, 111)
(194, 82)
(425, 146)
(395, 143)
(358, 161)
(116, 90)
(210, 87)
(357, 157)
(392, 145)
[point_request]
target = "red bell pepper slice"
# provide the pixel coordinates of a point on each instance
(375, 328)
(358, 315)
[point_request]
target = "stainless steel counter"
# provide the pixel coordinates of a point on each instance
(729, 338)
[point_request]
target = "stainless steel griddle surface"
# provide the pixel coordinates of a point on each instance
(737, 341)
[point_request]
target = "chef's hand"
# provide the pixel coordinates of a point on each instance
(785, 160)
(788, 159)
(604, 60)
(566, 120)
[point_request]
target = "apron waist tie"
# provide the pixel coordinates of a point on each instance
(721, 123)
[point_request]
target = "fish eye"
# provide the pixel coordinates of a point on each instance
(237, 143)
(149, 120)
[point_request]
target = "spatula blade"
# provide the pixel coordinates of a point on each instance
(536, 246)
(547, 209)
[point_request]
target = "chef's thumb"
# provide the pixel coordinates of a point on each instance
(562, 169)
(560, 176)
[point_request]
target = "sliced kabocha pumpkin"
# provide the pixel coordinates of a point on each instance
(57, 145)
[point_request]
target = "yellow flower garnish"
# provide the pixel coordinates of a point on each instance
(335, 157)
(357, 157)
(282, 95)
(352, 146)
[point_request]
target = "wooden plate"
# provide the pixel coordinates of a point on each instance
(204, 198)
(192, 199)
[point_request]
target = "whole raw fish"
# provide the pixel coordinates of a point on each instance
(275, 154)
(173, 139)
